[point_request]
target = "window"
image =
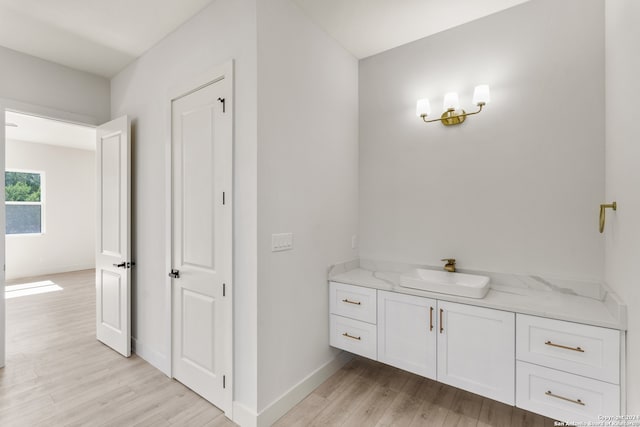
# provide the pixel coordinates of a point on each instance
(23, 202)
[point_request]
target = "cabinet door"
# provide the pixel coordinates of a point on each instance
(476, 350)
(407, 332)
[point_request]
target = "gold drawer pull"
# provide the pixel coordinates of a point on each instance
(565, 347)
(351, 302)
(577, 401)
(350, 336)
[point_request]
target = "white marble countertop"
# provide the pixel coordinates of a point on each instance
(575, 301)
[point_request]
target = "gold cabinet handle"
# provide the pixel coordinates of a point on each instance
(441, 326)
(576, 401)
(564, 346)
(351, 336)
(430, 318)
(351, 302)
(613, 206)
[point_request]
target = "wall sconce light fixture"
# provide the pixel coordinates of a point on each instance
(453, 114)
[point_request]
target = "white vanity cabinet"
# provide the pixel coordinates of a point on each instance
(563, 370)
(407, 332)
(476, 350)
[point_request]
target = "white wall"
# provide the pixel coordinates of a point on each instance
(33, 85)
(514, 189)
(314, 196)
(307, 185)
(224, 30)
(623, 174)
(32, 81)
(68, 243)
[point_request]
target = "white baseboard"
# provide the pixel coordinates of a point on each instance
(153, 357)
(43, 271)
(244, 416)
(295, 394)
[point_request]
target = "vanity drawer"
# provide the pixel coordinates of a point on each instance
(351, 301)
(564, 396)
(585, 350)
(353, 336)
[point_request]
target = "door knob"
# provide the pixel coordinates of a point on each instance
(121, 265)
(174, 274)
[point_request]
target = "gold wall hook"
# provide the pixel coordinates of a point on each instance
(613, 206)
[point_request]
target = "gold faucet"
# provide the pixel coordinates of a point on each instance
(450, 266)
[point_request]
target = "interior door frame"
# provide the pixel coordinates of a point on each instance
(186, 86)
(38, 111)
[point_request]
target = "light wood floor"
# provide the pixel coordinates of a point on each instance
(367, 393)
(57, 374)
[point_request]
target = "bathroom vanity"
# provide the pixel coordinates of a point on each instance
(552, 347)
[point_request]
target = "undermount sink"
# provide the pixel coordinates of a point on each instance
(462, 284)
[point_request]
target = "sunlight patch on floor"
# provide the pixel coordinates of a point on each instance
(34, 288)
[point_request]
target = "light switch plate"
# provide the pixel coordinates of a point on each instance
(281, 242)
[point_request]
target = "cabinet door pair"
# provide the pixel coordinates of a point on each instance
(465, 346)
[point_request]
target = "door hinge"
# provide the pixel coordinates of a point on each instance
(224, 381)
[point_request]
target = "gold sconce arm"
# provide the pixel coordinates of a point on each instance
(424, 117)
(613, 206)
(450, 117)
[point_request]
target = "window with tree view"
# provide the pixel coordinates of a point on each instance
(23, 202)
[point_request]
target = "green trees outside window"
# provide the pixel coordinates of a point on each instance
(22, 187)
(23, 202)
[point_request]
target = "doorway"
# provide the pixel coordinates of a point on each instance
(49, 192)
(49, 196)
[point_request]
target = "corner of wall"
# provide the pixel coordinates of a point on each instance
(307, 185)
(298, 392)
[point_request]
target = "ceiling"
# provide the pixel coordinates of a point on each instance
(98, 36)
(46, 131)
(367, 27)
(103, 36)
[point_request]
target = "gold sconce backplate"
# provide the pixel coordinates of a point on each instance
(453, 117)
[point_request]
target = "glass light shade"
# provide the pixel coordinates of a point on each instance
(423, 108)
(451, 101)
(481, 95)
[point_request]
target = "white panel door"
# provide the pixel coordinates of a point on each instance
(202, 246)
(113, 242)
(476, 350)
(407, 332)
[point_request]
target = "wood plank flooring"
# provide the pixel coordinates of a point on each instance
(58, 374)
(366, 393)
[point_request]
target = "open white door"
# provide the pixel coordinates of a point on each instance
(202, 241)
(113, 240)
